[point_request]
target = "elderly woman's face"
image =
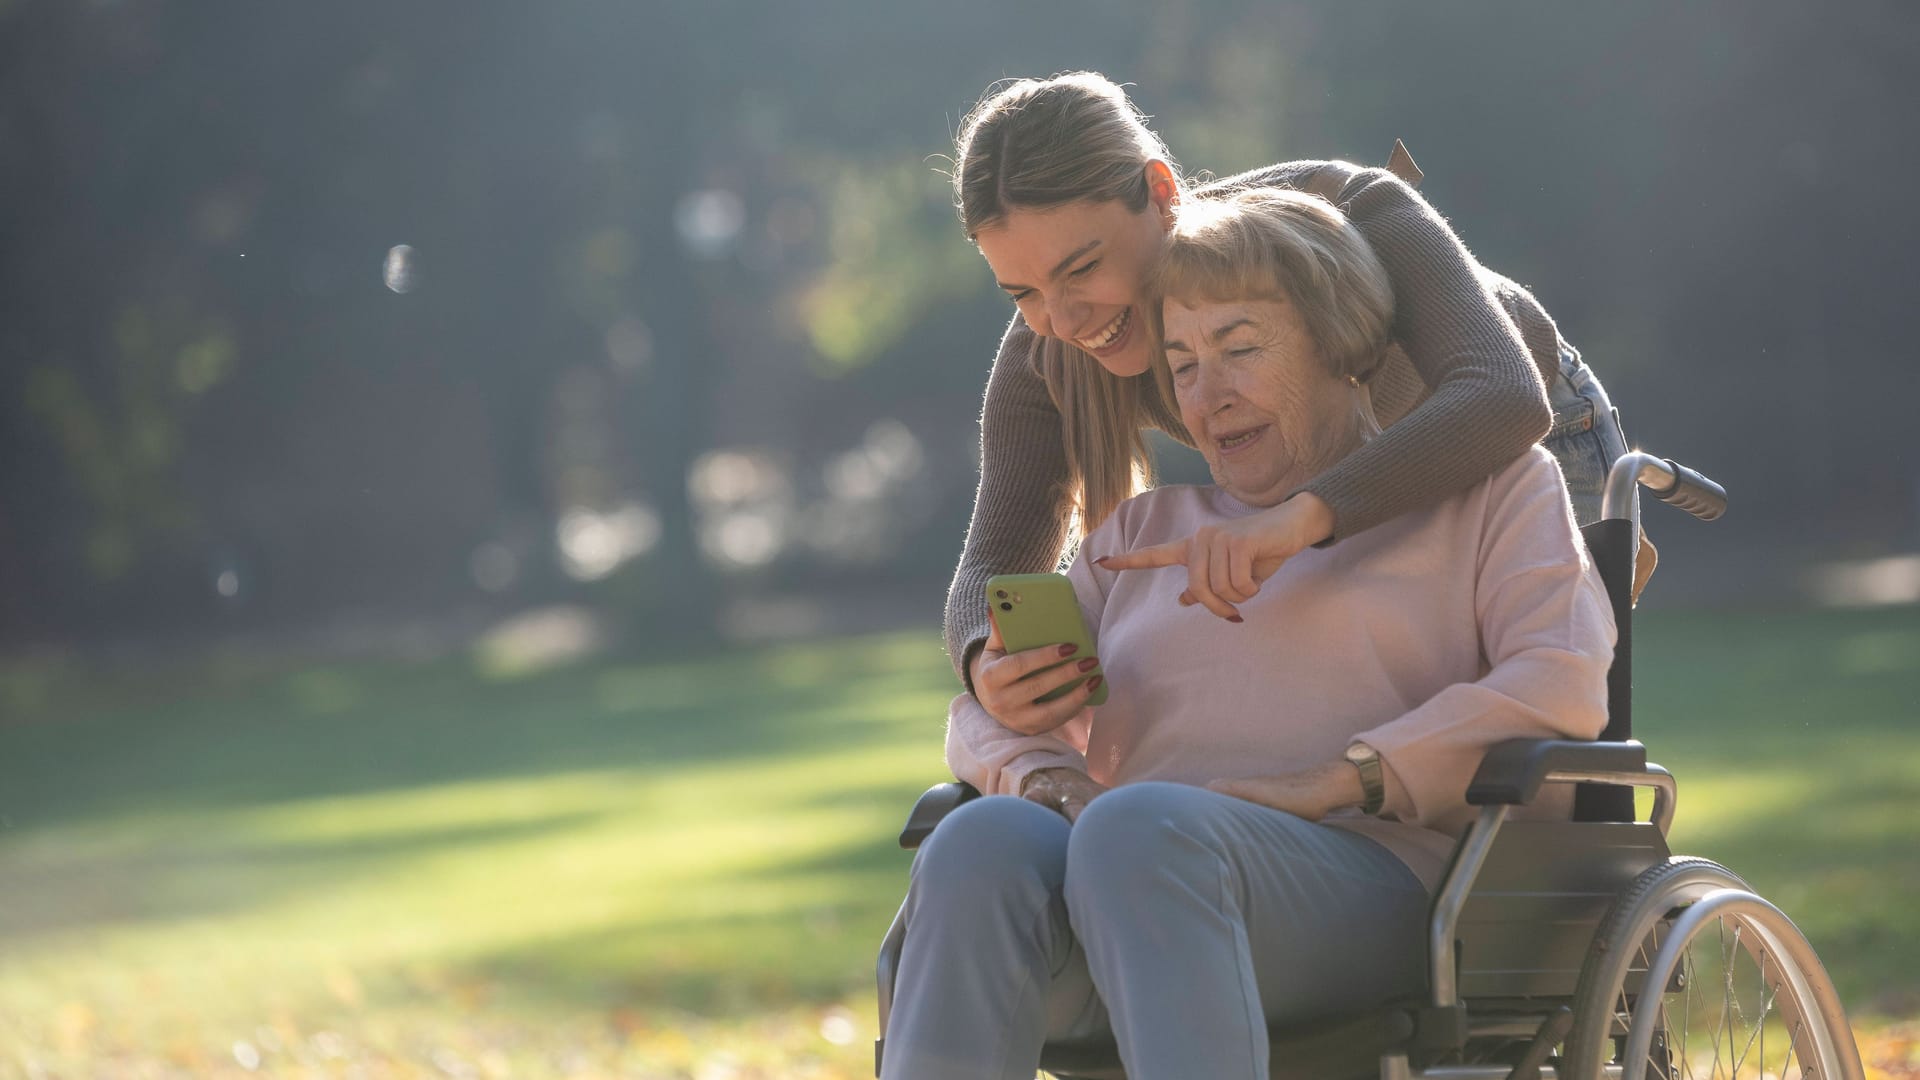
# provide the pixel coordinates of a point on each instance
(1256, 394)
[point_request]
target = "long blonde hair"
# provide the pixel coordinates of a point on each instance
(1038, 143)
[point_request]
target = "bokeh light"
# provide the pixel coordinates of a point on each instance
(710, 221)
(594, 543)
(400, 271)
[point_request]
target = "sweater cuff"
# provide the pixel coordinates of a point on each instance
(1350, 515)
(965, 660)
(1398, 805)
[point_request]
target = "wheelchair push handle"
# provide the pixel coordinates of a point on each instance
(1667, 480)
(1694, 493)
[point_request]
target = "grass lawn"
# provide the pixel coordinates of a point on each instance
(681, 869)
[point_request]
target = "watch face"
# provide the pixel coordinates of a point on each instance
(1360, 752)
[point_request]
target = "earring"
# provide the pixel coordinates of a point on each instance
(1363, 409)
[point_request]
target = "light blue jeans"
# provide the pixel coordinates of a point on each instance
(1177, 919)
(1585, 436)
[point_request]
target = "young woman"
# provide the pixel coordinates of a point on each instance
(1069, 196)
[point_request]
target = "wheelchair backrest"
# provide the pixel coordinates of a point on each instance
(1610, 543)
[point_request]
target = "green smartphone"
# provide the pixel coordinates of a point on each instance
(1032, 610)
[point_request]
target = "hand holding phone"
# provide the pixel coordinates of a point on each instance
(1031, 611)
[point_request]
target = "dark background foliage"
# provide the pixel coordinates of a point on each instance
(685, 323)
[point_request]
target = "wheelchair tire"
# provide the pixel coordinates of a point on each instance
(1743, 993)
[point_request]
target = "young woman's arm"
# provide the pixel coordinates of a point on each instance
(1020, 512)
(1488, 405)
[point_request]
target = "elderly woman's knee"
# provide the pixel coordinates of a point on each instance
(997, 840)
(1135, 829)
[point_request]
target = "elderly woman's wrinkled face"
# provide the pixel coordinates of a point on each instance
(1256, 395)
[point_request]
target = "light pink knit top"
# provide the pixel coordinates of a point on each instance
(1430, 637)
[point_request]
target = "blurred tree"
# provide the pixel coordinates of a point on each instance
(644, 234)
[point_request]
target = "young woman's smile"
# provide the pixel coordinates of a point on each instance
(1075, 272)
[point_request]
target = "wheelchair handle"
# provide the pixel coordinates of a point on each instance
(1668, 480)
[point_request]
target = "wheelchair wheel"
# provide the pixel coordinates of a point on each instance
(1693, 975)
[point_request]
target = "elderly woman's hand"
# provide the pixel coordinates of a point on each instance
(1226, 563)
(1310, 793)
(1009, 686)
(1067, 791)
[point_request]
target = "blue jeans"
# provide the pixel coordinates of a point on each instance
(1179, 920)
(1585, 436)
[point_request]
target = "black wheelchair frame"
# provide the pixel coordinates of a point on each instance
(1546, 936)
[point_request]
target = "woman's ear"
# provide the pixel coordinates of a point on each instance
(1163, 190)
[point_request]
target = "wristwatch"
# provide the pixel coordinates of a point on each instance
(1372, 779)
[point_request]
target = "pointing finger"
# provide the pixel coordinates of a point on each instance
(1173, 553)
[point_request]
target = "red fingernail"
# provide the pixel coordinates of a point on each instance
(1089, 663)
(1094, 683)
(1235, 618)
(1069, 649)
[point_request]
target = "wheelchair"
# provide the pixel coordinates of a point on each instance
(1580, 948)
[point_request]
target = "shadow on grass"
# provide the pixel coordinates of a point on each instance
(329, 732)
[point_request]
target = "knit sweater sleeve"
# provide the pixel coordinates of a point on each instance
(1488, 404)
(1020, 512)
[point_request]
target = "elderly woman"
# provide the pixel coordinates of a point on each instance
(1250, 828)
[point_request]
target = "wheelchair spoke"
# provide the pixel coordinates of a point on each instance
(1688, 975)
(1721, 929)
(1686, 1012)
(1733, 999)
(1760, 1025)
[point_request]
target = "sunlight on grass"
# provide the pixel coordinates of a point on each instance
(682, 869)
(578, 914)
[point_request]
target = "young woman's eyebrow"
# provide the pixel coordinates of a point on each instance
(1059, 268)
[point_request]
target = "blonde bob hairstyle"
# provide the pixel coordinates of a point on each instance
(1040, 143)
(1275, 244)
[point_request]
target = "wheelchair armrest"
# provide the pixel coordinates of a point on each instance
(1512, 771)
(939, 801)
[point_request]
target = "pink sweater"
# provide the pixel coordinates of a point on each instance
(1430, 638)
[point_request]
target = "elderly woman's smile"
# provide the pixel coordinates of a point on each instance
(1257, 394)
(1237, 441)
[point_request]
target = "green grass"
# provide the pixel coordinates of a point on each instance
(681, 869)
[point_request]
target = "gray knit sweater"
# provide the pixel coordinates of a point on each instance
(1460, 396)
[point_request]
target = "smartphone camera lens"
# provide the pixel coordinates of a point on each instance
(1001, 593)
(1006, 607)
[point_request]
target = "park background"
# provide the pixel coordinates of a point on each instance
(478, 482)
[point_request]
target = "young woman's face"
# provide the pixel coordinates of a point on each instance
(1076, 273)
(1256, 395)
